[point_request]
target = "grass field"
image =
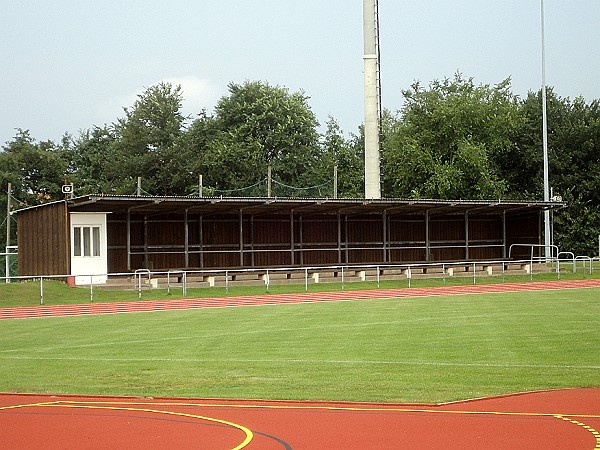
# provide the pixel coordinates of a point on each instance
(407, 350)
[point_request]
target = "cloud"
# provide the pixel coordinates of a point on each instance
(197, 93)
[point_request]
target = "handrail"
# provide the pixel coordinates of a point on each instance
(572, 260)
(532, 246)
(584, 259)
(138, 274)
(403, 271)
(8, 253)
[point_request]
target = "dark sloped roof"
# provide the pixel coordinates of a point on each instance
(304, 206)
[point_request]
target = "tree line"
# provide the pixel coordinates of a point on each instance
(452, 139)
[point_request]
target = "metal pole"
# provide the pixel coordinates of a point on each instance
(267, 281)
(306, 280)
(8, 207)
(269, 169)
(335, 181)
(200, 186)
(545, 140)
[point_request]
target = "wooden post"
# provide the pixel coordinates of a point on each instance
(186, 239)
(466, 235)
(129, 239)
(427, 240)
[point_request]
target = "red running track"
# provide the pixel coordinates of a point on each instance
(561, 419)
(276, 299)
(541, 420)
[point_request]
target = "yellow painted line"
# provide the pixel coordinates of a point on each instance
(595, 433)
(96, 405)
(341, 408)
(27, 405)
(121, 405)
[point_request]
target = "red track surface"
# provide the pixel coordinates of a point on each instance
(564, 419)
(268, 299)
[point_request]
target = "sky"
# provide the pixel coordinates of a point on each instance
(69, 65)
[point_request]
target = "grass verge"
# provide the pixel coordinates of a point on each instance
(393, 350)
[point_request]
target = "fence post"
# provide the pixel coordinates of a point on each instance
(41, 290)
(305, 279)
(267, 280)
(91, 289)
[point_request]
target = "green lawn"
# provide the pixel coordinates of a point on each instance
(409, 350)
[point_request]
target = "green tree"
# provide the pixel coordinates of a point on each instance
(338, 150)
(448, 140)
(189, 157)
(260, 125)
(574, 159)
(93, 163)
(36, 170)
(145, 136)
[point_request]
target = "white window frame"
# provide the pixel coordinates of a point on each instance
(87, 241)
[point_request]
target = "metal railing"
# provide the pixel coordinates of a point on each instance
(10, 251)
(144, 279)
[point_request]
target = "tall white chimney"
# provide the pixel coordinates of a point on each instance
(372, 101)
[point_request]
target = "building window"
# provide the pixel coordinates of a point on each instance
(86, 241)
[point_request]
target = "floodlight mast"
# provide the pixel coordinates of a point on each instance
(547, 240)
(372, 98)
